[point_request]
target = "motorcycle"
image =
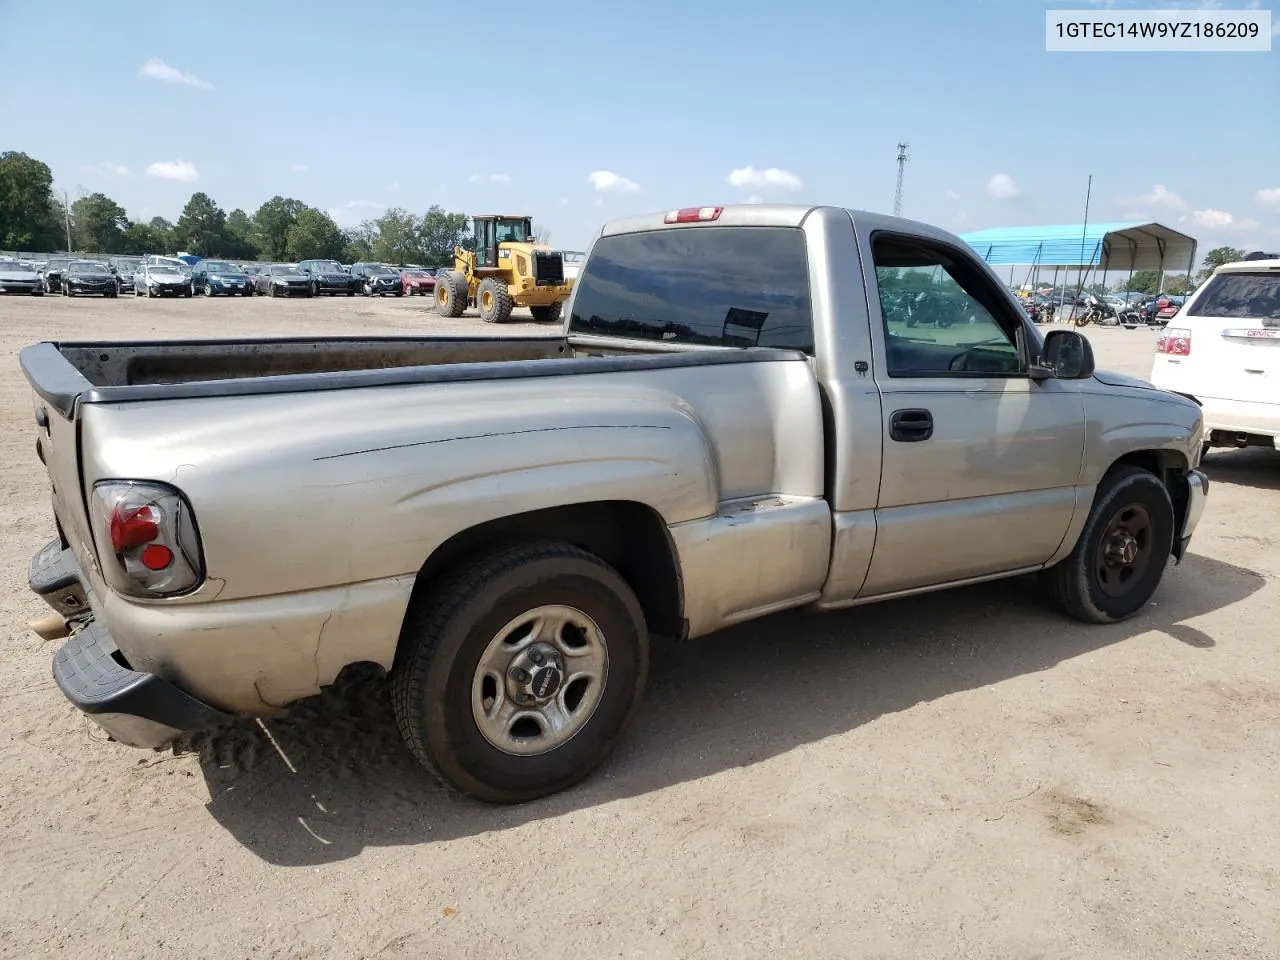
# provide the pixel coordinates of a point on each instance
(1099, 312)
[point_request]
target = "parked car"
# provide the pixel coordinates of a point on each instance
(161, 280)
(84, 277)
(1223, 352)
(420, 281)
(53, 273)
(377, 279)
(328, 277)
(284, 280)
(503, 523)
(17, 276)
(124, 268)
(212, 277)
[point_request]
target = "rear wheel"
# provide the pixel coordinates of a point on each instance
(450, 293)
(548, 314)
(516, 676)
(1120, 557)
(494, 300)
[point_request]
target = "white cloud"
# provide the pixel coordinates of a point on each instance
(174, 170)
(1157, 196)
(1002, 187)
(353, 212)
(1269, 197)
(608, 180)
(489, 178)
(157, 69)
(1219, 220)
(770, 180)
(952, 195)
(300, 168)
(106, 167)
(754, 199)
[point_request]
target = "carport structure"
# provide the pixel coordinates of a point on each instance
(1104, 247)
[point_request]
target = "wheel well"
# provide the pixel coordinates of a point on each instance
(631, 537)
(1170, 467)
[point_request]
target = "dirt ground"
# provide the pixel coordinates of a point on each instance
(962, 775)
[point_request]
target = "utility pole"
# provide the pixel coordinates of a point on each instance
(903, 157)
(66, 216)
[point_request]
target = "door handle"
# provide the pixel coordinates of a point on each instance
(910, 426)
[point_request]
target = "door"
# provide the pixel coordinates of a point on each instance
(980, 462)
(486, 243)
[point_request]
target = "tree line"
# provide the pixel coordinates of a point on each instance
(33, 218)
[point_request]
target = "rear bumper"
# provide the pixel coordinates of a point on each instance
(136, 708)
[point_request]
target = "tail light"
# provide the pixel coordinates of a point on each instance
(146, 536)
(1174, 341)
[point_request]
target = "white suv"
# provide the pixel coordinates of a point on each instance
(1222, 349)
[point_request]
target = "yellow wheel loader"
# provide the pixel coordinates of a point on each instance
(506, 270)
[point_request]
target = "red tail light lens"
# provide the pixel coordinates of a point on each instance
(132, 527)
(1174, 341)
(146, 536)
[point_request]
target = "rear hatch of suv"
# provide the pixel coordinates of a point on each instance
(1225, 343)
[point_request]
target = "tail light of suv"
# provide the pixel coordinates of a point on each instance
(1174, 341)
(146, 536)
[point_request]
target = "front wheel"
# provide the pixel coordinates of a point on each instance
(516, 676)
(547, 314)
(1120, 557)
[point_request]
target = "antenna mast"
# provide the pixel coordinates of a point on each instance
(903, 157)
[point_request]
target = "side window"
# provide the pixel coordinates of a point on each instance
(941, 317)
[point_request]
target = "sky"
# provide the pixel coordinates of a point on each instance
(579, 113)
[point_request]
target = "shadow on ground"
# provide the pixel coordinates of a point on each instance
(725, 701)
(1257, 467)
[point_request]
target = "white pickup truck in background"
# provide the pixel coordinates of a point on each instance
(1222, 350)
(746, 412)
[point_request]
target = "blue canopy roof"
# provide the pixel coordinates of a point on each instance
(1126, 245)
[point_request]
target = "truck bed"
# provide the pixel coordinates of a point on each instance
(66, 374)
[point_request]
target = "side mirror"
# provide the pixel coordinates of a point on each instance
(1067, 356)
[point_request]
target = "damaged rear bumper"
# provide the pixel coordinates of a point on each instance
(136, 708)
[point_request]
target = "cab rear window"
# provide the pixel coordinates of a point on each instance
(1251, 296)
(716, 286)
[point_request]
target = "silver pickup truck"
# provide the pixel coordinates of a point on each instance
(750, 409)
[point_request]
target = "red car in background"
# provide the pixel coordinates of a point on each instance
(418, 282)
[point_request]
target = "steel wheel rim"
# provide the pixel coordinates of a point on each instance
(1124, 550)
(539, 680)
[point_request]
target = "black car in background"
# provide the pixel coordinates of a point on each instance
(88, 277)
(53, 274)
(327, 276)
(284, 280)
(124, 268)
(377, 279)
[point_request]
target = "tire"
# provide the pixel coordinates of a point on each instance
(494, 301)
(452, 627)
(69, 293)
(450, 295)
(351, 293)
(399, 293)
(111, 294)
(188, 292)
(547, 314)
(1076, 586)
